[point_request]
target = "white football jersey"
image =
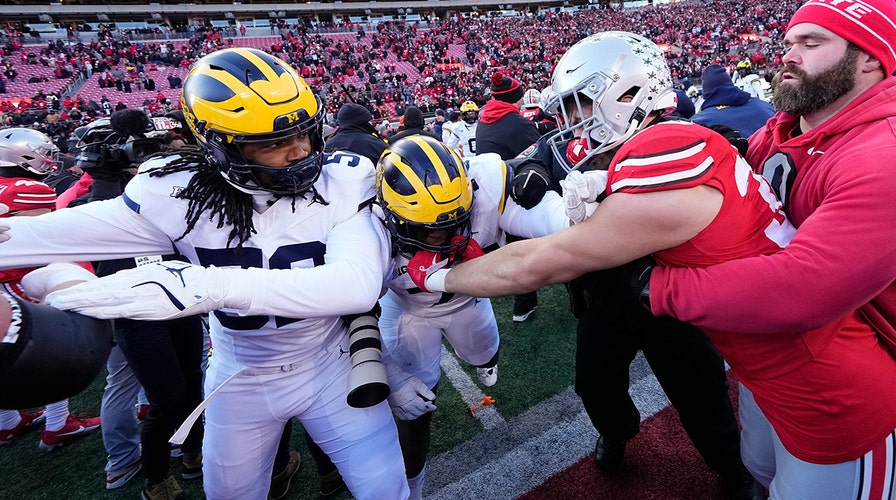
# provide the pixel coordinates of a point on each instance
(461, 137)
(493, 214)
(751, 84)
(305, 267)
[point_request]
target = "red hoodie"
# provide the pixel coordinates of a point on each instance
(837, 182)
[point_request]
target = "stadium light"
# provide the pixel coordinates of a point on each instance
(156, 16)
(401, 11)
(272, 14)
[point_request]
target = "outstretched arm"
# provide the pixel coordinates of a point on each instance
(624, 227)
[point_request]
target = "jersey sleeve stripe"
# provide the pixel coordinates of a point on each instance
(665, 179)
(133, 205)
(663, 156)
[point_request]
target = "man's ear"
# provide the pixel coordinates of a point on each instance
(869, 63)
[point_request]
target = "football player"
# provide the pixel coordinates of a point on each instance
(281, 242)
(428, 202)
(746, 80)
(678, 192)
(462, 135)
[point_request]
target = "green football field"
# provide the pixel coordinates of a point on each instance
(535, 371)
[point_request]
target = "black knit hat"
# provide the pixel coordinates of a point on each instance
(506, 88)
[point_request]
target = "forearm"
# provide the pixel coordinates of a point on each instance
(349, 281)
(507, 271)
(96, 231)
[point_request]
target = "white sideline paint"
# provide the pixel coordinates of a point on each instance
(469, 391)
(511, 458)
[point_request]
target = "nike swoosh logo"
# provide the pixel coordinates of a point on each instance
(573, 69)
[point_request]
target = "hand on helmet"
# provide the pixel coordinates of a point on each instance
(471, 250)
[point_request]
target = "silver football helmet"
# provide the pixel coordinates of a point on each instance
(609, 82)
(28, 149)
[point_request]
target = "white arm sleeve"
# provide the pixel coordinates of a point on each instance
(349, 281)
(548, 217)
(101, 230)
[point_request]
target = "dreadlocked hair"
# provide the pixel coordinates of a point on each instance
(209, 191)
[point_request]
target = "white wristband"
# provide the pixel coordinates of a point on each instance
(435, 282)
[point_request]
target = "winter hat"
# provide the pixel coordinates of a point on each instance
(870, 24)
(506, 88)
(413, 118)
(353, 114)
(718, 90)
(25, 194)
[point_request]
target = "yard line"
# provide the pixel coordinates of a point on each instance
(469, 391)
(509, 460)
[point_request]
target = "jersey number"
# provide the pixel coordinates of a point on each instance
(283, 258)
(779, 172)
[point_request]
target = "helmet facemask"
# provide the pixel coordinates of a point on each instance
(422, 187)
(413, 236)
(247, 175)
(604, 88)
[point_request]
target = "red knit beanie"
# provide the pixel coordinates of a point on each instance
(506, 88)
(870, 24)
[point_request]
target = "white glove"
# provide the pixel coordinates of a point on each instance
(411, 399)
(39, 282)
(580, 192)
(164, 290)
(4, 231)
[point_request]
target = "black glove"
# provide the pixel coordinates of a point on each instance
(637, 274)
(733, 136)
(530, 182)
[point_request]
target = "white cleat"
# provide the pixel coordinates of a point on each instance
(488, 376)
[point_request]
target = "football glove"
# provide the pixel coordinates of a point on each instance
(159, 291)
(427, 269)
(581, 191)
(471, 251)
(39, 282)
(4, 232)
(530, 182)
(411, 399)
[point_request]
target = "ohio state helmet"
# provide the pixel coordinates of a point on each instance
(605, 87)
(29, 150)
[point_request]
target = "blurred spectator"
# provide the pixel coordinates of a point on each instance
(355, 133)
(728, 105)
(414, 124)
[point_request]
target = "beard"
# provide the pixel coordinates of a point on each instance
(813, 92)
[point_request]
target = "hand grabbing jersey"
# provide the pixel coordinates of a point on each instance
(427, 269)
